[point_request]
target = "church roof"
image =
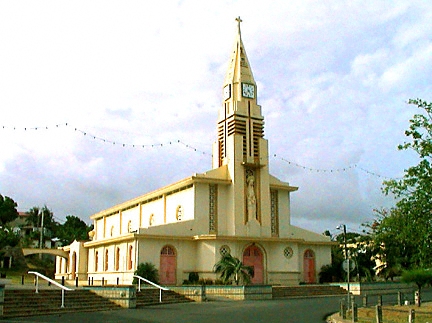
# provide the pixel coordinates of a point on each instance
(216, 176)
(276, 183)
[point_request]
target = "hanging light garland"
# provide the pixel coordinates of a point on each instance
(188, 146)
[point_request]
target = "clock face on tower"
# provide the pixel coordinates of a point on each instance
(248, 90)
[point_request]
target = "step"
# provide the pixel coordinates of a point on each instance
(148, 297)
(28, 303)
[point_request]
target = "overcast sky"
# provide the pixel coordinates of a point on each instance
(101, 79)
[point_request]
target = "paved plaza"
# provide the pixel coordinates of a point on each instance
(303, 310)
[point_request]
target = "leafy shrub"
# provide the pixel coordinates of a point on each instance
(193, 277)
(148, 271)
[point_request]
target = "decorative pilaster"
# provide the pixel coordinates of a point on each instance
(274, 213)
(213, 189)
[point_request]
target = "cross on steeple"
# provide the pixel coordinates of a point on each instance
(238, 19)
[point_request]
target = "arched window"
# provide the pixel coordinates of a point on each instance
(106, 260)
(168, 250)
(117, 259)
(130, 258)
(96, 261)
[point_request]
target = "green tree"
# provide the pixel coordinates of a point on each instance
(148, 271)
(358, 246)
(8, 210)
(230, 267)
(73, 229)
(395, 246)
(333, 272)
(421, 277)
(8, 237)
(405, 232)
(35, 215)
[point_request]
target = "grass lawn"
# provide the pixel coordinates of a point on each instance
(15, 275)
(396, 314)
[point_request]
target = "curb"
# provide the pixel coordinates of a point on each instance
(335, 318)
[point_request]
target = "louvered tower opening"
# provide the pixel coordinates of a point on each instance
(258, 132)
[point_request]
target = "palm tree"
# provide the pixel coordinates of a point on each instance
(231, 267)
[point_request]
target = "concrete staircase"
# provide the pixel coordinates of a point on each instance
(150, 296)
(25, 302)
(307, 291)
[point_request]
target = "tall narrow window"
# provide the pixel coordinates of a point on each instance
(117, 259)
(130, 258)
(96, 261)
(106, 260)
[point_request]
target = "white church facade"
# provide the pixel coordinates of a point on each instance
(237, 207)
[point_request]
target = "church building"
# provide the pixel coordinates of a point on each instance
(237, 207)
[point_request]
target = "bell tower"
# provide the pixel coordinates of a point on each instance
(240, 114)
(241, 145)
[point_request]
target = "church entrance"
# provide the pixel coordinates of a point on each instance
(168, 266)
(309, 267)
(253, 256)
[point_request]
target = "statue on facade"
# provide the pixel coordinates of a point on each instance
(251, 198)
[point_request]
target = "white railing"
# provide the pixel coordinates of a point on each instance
(53, 282)
(151, 283)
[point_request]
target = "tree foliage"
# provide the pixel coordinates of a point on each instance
(73, 229)
(360, 252)
(8, 237)
(8, 210)
(148, 271)
(421, 277)
(231, 268)
(35, 215)
(8, 213)
(404, 233)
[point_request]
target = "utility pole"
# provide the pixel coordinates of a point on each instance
(347, 258)
(41, 233)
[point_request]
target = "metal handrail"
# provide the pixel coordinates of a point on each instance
(63, 288)
(151, 283)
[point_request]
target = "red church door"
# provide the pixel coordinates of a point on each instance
(253, 256)
(168, 266)
(309, 267)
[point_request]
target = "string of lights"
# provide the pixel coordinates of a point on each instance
(343, 169)
(191, 147)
